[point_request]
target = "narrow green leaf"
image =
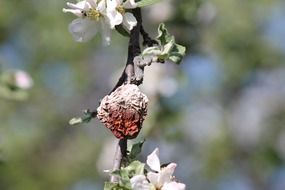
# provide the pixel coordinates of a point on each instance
(168, 47)
(151, 51)
(144, 3)
(116, 173)
(177, 53)
(114, 186)
(75, 121)
(163, 36)
(135, 168)
(136, 149)
(87, 117)
(122, 30)
(109, 186)
(170, 50)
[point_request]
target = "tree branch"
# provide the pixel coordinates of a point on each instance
(121, 152)
(133, 50)
(147, 40)
(127, 76)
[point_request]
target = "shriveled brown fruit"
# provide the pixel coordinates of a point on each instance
(123, 111)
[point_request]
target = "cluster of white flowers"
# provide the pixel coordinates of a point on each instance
(158, 178)
(104, 15)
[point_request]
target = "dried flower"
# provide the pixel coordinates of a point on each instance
(123, 111)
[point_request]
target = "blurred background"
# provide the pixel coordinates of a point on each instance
(220, 114)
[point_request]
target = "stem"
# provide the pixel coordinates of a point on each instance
(133, 50)
(147, 40)
(127, 76)
(121, 152)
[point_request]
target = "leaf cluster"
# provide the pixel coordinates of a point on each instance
(125, 173)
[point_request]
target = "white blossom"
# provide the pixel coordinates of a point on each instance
(23, 80)
(91, 19)
(116, 12)
(162, 178)
(139, 182)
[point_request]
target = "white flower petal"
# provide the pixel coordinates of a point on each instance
(153, 178)
(166, 173)
(173, 186)
(129, 21)
(23, 80)
(82, 5)
(106, 33)
(77, 12)
(83, 30)
(153, 160)
(119, 2)
(114, 18)
(139, 182)
(112, 4)
(93, 3)
(101, 6)
(130, 4)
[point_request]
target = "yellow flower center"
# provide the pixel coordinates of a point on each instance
(121, 9)
(93, 14)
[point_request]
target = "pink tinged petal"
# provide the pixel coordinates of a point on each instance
(153, 178)
(173, 186)
(80, 5)
(129, 21)
(76, 12)
(106, 33)
(93, 3)
(23, 80)
(139, 182)
(119, 2)
(101, 6)
(130, 4)
(83, 30)
(112, 4)
(166, 173)
(153, 160)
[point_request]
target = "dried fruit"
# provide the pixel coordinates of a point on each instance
(123, 111)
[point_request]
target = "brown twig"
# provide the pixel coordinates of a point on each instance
(121, 152)
(128, 77)
(147, 40)
(133, 50)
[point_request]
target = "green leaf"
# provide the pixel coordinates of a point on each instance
(168, 47)
(75, 121)
(122, 30)
(125, 180)
(135, 168)
(177, 53)
(116, 173)
(87, 117)
(151, 51)
(163, 36)
(109, 186)
(114, 186)
(170, 50)
(144, 3)
(136, 149)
